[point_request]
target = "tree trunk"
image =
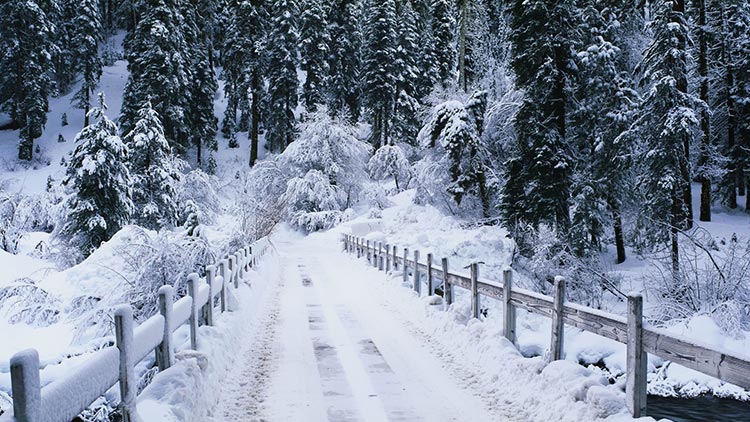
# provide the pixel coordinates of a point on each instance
(705, 210)
(673, 236)
(199, 150)
(731, 177)
(255, 123)
(686, 210)
(86, 109)
(619, 237)
(462, 46)
(562, 216)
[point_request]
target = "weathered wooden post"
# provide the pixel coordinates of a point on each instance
(447, 286)
(509, 311)
(239, 273)
(225, 272)
(635, 385)
(429, 274)
(558, 326)
(193, 284)
(26, 386)
(359, 249)
(128, 381)
(381, 260)
(405, 268)
(367, 252)
(208, 310)
(387, 258)
(395, 261)
(415, 276)
(164, 352)
(475, 290)
(375, 254)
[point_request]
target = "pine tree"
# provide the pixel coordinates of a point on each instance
(442, 32)
(152, 171)
(314, 41)
(408, 75)
(97, 173)
(282, 75)
(86, 35)
(666, 125)
(379, 83)
(344, 65)
(26, 43)
(159, 66)
(543, 37)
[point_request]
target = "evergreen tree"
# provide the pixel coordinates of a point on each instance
(97, 174)
(159, 66)
(666, 125)
(152, 171)
(407, 74)
(543, 37)
(26, 43)
(442, 32)
(86, 35)
(314, 41)
(379, 83)
(344, 65)
(282, 75)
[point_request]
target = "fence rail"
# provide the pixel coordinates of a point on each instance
(67, 396)
(639, 338)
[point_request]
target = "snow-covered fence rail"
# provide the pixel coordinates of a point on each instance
(639, 338)
(67, 396)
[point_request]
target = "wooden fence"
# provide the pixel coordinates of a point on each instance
(67, 396)
(639, 338)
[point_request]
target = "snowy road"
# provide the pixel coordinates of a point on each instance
(332, 353)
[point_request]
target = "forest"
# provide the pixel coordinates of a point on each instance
(592, 131)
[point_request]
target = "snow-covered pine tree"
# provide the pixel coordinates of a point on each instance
(153, 172)
(26, 42)
(406, 105)
(606, 102)
(344, 64)
(86, 35)
(244, 63)
(379, 82)
(443, 36)
(390, 161)
(425, 59)
(282, 75)
(456, 158)
(543, 37)
(97, 174)
(159, 65)
(666, 126)
(314, 42)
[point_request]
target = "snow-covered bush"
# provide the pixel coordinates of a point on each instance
(312, 202)
(456, 162)
(390, 161)
(199, 188)
(27, 303)
(260, 204)
(20, 214)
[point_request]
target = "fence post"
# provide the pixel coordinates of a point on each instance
(474, 290)
(381, 259)
(193, 285)
(226, 272)
(395, 261)
(367, 252)
(447, 286)
(387, 258)
(509, 311)
(558, 332)
(208, 313)
(375, 254)
(238, 275)
(128, 381)
(405, 267)
(359, 249)
(429, 274)
(635, 385)
(26, 386)
(415, 276)
(164, 353)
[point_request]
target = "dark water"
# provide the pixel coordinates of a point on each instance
(699, 409)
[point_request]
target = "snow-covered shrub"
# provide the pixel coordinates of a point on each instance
(312, 202)
(27, 303)
(390, 161)
(375, 196)
(166, 258)
(20, 214)
(200, 188)
(261, 204)
(713, 281)
(456, 162)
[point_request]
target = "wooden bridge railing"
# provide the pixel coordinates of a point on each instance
(67, 396)
(639, 338)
